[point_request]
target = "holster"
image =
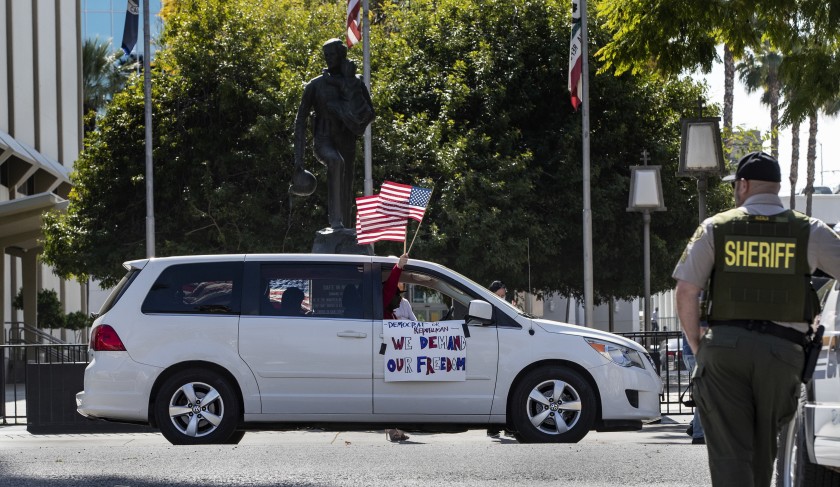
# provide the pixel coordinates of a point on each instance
(812, 349)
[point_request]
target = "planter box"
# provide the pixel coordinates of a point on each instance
(51, 402)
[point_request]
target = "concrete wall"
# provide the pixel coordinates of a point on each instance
(625, 317)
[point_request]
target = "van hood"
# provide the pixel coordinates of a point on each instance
(568, 329)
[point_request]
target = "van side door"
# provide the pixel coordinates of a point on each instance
(307, 337)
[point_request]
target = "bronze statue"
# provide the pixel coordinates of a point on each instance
(343, 109)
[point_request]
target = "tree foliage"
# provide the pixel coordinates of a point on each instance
(50, 312)
(672, 36)
(471, 99)
(103, 74)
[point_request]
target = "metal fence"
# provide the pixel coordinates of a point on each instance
(13, 375)
(665, 348)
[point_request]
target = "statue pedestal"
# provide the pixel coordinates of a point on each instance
(343, 241)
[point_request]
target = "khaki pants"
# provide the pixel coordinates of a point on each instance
(747, 386)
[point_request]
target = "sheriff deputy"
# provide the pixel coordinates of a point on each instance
(756, 262)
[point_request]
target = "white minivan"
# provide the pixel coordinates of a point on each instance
(206, 347)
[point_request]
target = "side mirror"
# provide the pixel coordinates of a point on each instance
(479, 313)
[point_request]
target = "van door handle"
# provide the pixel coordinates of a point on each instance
(352, 334)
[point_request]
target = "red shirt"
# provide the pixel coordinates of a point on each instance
(389, 290)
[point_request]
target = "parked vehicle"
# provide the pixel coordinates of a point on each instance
(205, 347)
(670, 354)
(809, 447)
(819, 190)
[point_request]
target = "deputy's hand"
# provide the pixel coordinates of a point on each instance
(403, 261)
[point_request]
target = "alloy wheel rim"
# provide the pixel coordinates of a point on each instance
(554, 407)
(196, 409)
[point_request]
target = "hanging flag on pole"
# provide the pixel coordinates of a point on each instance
(372, 226)
(404, 200)
(132, 19)
(575, 59)
(354, 35)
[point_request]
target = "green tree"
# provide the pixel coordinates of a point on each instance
(470, 98)
(226, 84)
(50, 311)
(487, 109)
(78, 320)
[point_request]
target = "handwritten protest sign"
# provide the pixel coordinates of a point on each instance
(419, 351)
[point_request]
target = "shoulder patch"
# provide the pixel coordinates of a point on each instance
(697, 234)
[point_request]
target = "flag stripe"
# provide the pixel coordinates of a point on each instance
(354, 35)
(372, 225)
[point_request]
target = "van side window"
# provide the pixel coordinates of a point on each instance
(317, 291)
(434, 298)
(206, 288)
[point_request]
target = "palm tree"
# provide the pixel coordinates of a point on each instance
(812, 158)
(728, 88)
(760, 70)
(831, 108)
(794, 161)
(103, 74)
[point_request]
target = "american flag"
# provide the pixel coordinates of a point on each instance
(372, 225)
(403, 200)
(354, 35)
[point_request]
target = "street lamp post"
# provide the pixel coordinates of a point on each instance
(646, 196)
(701, 154)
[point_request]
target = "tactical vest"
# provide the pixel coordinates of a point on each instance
(761, 268)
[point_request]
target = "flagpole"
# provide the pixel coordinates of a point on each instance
(147, 97)
(432, 190)
(588, 287)
(366, 76)
(415, 233)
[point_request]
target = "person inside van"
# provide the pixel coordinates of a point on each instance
(292, 303)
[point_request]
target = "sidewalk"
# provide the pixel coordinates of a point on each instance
(14, 404)
(671, 430)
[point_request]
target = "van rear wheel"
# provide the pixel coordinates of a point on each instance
(197, 407)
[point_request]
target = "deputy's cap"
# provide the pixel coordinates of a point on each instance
(757, 166)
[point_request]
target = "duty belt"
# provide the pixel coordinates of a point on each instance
(764, 326)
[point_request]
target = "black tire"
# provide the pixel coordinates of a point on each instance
(793, 466)
(186, 418)
(552, 404)
(235, 438)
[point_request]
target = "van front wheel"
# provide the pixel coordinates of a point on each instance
(553, 404)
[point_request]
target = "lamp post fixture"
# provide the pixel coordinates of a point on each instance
(701, 154)
(646, 196)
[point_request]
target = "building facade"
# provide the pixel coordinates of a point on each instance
(40, 139)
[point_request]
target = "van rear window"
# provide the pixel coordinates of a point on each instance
(205, 288)
(118, 291)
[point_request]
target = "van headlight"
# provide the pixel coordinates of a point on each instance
(620, 355)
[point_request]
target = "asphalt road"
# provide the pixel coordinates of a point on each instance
(659, 454)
